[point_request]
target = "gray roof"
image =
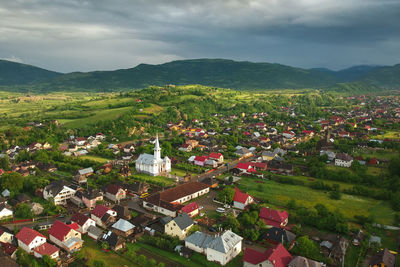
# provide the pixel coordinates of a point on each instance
(242, 151)
(86, 171)
(300, 261)
(183, 220)
(199, 239)
(225, 242)
(165, 220)
(375, 239)
(146, 159)
(123, 225)
(94, 230)
(268, 154)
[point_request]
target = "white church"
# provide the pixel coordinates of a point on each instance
(153, 164)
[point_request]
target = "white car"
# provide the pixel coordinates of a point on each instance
(220, 210)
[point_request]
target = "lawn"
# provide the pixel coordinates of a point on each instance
(94, 158)
(92, 252)
(279, 195)
(388, 134)
(153, 179)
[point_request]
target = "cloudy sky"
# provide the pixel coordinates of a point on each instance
(85, 35)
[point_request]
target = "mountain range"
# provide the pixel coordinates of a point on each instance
(211, 72)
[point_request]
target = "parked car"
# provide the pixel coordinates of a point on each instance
(220, 210)
(212, 229)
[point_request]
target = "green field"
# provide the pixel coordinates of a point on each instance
(279, 194)
(153, 179)
(92, 251)
(94, 158)
(388, 134)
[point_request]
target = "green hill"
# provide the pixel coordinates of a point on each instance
(385, 77)
(224, 73)
(12, 73)
(211, 72)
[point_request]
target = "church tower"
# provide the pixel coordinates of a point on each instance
(157, 150)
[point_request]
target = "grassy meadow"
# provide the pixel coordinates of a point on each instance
(279, 195)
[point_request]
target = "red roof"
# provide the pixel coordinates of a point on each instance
(273, 217)
(247, 133)
(79, 218)
(258, 165)
(278, 256)
(240, 196)
(113, 189)
(8, 248)
(307, 132)
(253, 256)
(74, 226)
(26, 235)
(190, 207)
(46, 249)
(243, 165)
(81, 139)
(59, 230)
(215, 155)
(201, 158)
(99, 211)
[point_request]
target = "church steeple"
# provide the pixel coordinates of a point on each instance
(157, 149)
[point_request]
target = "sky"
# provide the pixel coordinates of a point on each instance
(87, 35)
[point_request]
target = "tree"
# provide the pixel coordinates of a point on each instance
(99, 263)
(142, 259)
(226, 195)
(291, 204)
(23, 211)
(306, 247)
(161, 264)
(14, 182)
(231, 223)
(5, 163)
(49, 261)
(151, 263)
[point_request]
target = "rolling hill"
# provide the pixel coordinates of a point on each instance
(241, 75)
(12, 73)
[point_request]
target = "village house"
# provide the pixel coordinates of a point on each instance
(91, 197)
(66, 236)
(5, 235)
(192, 143)
(276, 256)
(94, 232)
(170, 201)
(29, 239)
(123, 228)
(276, 235)
(299, 261)
(5, 211)
(268, 155)
(115, 193)
(200, 160)
(103, 215)
(218, 157)
(185, 148)
(46, 249)
(59, 190)
(83, 222)
(343, 160)
(122, 212)
(114, 241)
(241, 200)
(274, 217)
(221, 249)
(81, 175)
(384, 258)
(179, 226)
(191, 209)
(129, 148)
(243, 153)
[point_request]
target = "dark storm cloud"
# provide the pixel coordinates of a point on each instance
(69, 35)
